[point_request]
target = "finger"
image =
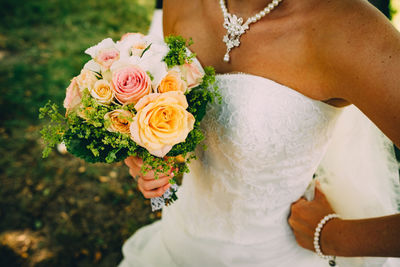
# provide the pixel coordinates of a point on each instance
(167, 186)
(299, 203)
(128, 161)
(150, 175)
(135, 171)
(152, 193)
(153, 184)
(293, 206)
(136, 160)
(301, 199)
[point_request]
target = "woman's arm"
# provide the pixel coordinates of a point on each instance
(359, 57)
(368, 237)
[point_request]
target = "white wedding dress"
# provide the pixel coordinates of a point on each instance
(264, 144)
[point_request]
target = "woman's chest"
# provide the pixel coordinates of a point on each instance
(279, 50)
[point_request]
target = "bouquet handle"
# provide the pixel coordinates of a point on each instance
(157, 203)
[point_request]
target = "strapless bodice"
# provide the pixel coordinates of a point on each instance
(264, 143)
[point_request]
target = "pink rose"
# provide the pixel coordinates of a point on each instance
(107, 57)
(130, 84)
(192, 74)
(73, 96)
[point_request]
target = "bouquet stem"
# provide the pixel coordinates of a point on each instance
(166, 199)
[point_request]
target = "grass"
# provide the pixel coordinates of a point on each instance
(59, 211)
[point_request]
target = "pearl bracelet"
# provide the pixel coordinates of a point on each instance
(317, 233)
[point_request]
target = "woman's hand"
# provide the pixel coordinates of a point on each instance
(305, 216)
(147, 184)
(372, 237)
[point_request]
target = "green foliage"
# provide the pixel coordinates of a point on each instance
(42, 46)
(145, 50)
(177, 54)
(85, 133)
(207, 92)
(53, 132)
(392, 10)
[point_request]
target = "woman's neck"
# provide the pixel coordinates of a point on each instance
(246, 8)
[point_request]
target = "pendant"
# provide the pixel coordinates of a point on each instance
(235, 28)
(332, 263)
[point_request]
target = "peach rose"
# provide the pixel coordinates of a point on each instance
(86, 79)
(172, 82)
(102, 92)
(120, 121)
(130, 83)
(192, 74)
(73, 96)
(161, 122)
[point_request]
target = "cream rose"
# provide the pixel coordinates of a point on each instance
(86, 79)
(73, 95)
(102, 92)
(120, 121)
(172, 82)
(130, 83)
(161, 122)
(192, 74)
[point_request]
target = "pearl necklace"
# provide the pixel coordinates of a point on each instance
(235, 26)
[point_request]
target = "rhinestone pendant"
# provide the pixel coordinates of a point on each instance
(235, 28)
(226, 57)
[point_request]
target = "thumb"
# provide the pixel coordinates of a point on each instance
(319, 194)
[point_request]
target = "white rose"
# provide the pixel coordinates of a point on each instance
(104, 53)
(132, 44)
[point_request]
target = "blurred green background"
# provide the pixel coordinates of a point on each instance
(60, 211)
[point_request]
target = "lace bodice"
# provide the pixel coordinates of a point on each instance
(264, 143)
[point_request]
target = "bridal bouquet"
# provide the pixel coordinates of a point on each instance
(139, 97)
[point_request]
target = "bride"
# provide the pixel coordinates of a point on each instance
(284, 87)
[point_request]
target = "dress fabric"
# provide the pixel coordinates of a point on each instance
(264, 143)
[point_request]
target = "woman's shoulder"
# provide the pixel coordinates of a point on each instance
(348, 37)
(174, 10)
(356, 20)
